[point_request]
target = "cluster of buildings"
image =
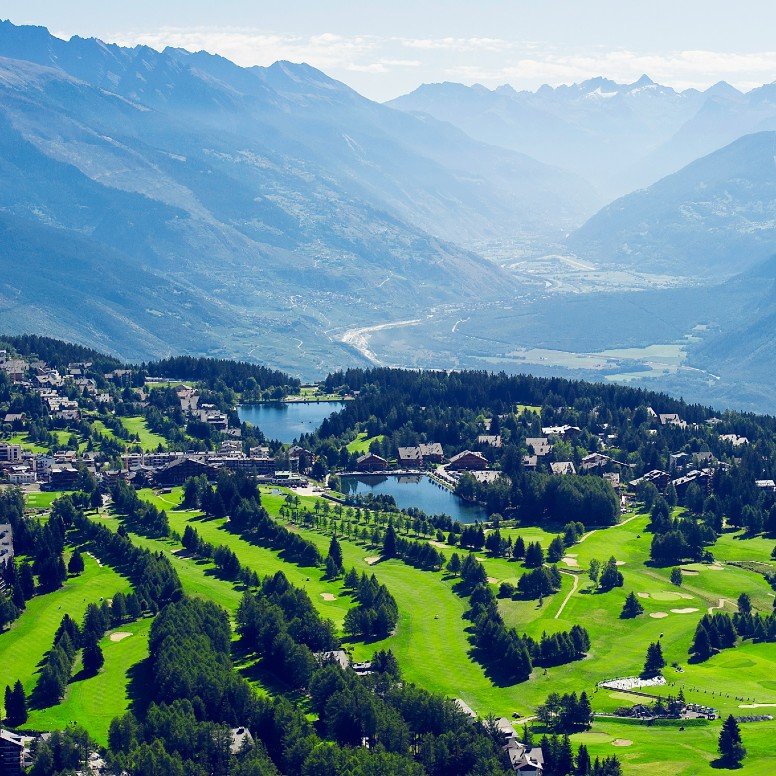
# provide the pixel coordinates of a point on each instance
(58, 471)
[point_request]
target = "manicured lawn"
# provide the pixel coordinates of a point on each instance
(149, 440)
(432, 647)
(42, 499)
(93, 702)
(669, 751)
(30, 637)
(23, 440)
(361, 443)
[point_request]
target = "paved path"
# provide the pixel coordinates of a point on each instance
(721, 605)
(617, 525)
(571, 592)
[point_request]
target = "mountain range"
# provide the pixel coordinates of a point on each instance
(167, 201)
(277, 197)
(618, 136)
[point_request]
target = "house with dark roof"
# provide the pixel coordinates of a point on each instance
(11, 753)
(371, 463)
(468, 461)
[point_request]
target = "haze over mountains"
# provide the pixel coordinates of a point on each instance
(618, 136)
(156, 202)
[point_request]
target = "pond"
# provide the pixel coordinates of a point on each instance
(287, 421)
(415, 490)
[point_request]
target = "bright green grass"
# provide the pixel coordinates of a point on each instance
(149, 440)
(431, 642)
(42, 499)
(361, 443)
(95, 701)
(669, 751)
(30, 637)
(22, 439)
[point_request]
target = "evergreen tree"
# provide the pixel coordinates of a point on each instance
(701, 645)
(335, 553)
(93, 658)
(730, 745)
(518, 551)
(534, 555)
(389, 542)
(15, 705)
(744, 604)
(76, 563)
(583, 765)
(654, 661)
(632, 607)
(676, 576)
(454, 564)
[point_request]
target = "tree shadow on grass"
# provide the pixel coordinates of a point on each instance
(140, 687)
(723, 764)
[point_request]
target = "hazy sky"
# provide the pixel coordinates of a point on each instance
(384, 49)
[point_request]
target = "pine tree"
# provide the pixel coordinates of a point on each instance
(335, 553)
(676, 576)
(16, 705)
(389, 542)
(654, 661)
(632, 607)
(518, 551)
(701, 645)
(454, 564)
(93, 658)
(583, 764)
(76, 563)
(730, 746)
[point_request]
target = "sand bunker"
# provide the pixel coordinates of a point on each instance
(686, 610)
(492, 580)
(622, 742)
(755, 705)
(686, 595)
(620, 562)
(690, 572)
(658, 615)
(643, 595)
(371, 561)
(120, 635)
(328, 597)
(570, 561)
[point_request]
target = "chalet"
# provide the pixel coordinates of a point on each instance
(671, 419)
(432, 452)
(564, 432)
(703, 458)
(178, 471)
(734, 439)
(767, 485)
(679, 461)
(525, 760)
(63, 477)
(15, 419)
(11, 753)
(701, 477)
(410, 457)
(563, 467)
(613, 479)
(659, 478)
(468, 461)
(487, 475)
(489, 440)
(15, 368)
(530, 462)
(371, 463)
(305, 458)
(539, 445)
(594, 461)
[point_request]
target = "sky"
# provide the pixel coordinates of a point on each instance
(384, 49)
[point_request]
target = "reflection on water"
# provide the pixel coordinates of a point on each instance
(414, 490)
(287, 422)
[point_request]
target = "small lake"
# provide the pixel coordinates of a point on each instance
(287, 421)
(415, 491)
